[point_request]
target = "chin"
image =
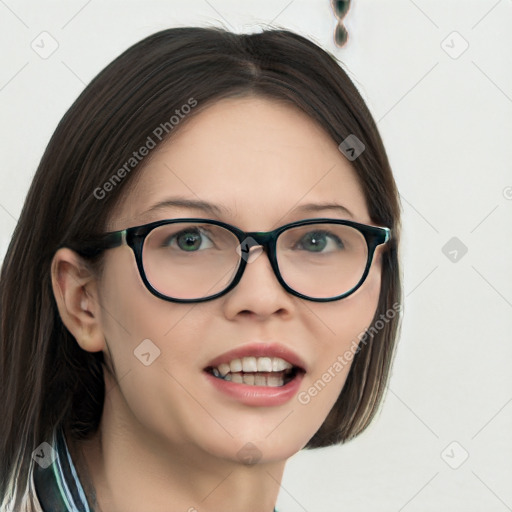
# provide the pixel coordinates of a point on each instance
(254, 448)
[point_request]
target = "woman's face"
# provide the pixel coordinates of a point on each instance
(258, 163)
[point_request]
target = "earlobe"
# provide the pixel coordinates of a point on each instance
(75, 290)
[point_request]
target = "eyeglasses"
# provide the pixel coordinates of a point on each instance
(195, 260)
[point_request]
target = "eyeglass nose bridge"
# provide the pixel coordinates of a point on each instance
(262, 241)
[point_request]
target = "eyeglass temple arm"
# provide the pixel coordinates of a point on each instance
(108, 241)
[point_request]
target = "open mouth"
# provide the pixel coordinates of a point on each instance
(256, 371)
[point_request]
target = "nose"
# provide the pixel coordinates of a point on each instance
(258, 294)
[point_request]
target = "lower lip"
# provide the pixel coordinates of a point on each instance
(259, 396)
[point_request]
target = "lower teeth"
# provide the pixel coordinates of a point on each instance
(256, 378)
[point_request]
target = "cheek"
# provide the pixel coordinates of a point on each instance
(134, 321)
(337, 328)
(344, 320)
(154, 345)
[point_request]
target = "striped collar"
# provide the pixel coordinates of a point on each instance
(57, 486)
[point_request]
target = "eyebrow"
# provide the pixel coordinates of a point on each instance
(314, 207)
(218, 209)
(187, 203)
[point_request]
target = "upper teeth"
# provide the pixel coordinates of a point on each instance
(254, 364)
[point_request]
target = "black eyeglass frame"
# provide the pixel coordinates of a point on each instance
(135, 237)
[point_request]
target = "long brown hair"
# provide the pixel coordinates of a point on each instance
(46, 379)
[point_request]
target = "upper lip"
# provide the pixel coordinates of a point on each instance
(259, 350)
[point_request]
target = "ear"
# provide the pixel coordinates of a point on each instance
(76, 293)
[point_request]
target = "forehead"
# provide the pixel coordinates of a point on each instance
(257, 159)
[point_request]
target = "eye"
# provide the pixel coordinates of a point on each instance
(189, 240)
(319, 241)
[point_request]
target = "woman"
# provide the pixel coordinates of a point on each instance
(203, 281)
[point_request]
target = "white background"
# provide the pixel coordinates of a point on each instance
(446, 124)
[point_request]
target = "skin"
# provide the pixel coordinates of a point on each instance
(167, 437)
